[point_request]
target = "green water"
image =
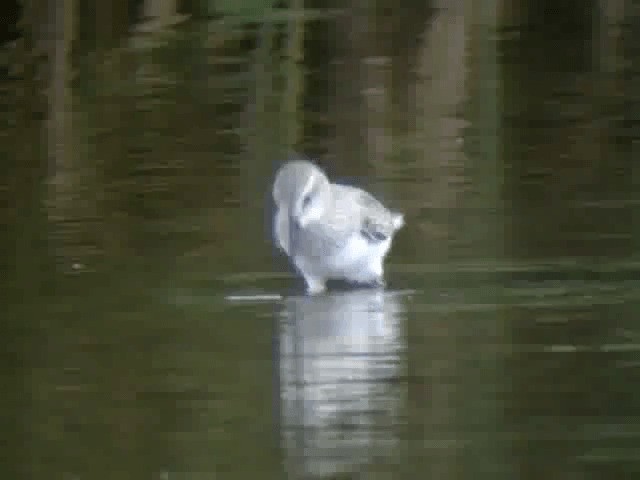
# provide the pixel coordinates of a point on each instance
(152, 331)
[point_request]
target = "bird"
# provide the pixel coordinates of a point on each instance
(329, 230)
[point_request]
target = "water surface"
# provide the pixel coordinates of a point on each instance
(152, 331)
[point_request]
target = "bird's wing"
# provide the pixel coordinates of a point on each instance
(366, 213)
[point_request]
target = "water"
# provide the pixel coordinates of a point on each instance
(151, 330)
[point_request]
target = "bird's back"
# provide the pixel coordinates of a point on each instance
(363, 210)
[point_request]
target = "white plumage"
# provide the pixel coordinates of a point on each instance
(330, 231)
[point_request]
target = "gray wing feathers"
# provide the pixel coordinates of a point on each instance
(373, 219)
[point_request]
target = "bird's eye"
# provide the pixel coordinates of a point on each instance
(306, 201)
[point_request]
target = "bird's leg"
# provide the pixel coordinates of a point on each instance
(378, 280)
(314, 285)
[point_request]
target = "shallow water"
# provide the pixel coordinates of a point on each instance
(483, 367)
(152, 331)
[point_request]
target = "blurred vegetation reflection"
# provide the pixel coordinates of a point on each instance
(139, 139)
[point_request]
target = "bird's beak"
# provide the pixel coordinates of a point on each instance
(293, 228)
